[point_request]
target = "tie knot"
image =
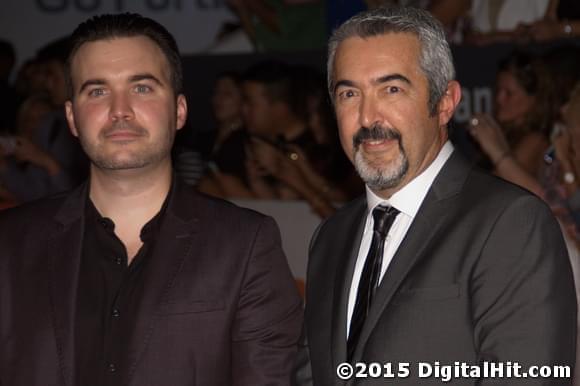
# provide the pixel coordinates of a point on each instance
(384, 217)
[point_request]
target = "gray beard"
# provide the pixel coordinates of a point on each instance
(384, 177)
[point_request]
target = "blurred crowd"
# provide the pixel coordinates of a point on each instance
(284, 25)
(275, 134)
(38, 155)
(275, 138)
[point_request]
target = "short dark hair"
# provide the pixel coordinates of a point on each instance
(109, 26)
(279, 81)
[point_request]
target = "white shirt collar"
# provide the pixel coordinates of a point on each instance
(410, 197)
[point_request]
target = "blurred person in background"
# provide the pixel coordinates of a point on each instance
(555, 178)
(523, 109)
(30, 78)
(282, 25)
(451, 13)
(516, 21)
(47, 158)
(563, 64)
(227, 107)
(276, 154)
(281, 149)
(500, 21)
(225, 175)
(31, 114)
(561, 21)
(330, 168)
(561, 181)
(220, 149)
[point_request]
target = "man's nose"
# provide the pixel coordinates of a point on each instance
(121, 108)
(370, 113)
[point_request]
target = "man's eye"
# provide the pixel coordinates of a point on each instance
(142, 89)
(96, 92)
(393, 89)
(346, 94)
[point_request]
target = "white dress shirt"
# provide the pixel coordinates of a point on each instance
(407, 201)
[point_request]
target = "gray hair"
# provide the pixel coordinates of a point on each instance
(435, 59)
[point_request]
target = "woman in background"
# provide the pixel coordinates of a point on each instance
(523, 110)
(225, 176)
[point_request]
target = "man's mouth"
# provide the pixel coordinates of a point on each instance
(123, 134)
(373, 145)
(376, 138)
(376, 142)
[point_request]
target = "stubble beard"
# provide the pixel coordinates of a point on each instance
(125, 158)
(380, 176)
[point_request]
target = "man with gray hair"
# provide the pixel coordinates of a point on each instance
(441, 273)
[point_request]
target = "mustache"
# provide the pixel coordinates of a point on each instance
(375, 133)
(123, 126)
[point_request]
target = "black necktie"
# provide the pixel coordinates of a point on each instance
(369, 280)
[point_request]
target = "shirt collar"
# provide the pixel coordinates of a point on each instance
(149, 229)
(410, 197)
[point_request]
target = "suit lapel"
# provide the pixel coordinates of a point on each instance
(428, 223)
(176, 240)
(64, 251)
(344, 272)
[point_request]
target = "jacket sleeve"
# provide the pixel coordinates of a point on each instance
(268, 316)
(523, 298)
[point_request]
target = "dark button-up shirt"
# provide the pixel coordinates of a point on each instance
(108, 299)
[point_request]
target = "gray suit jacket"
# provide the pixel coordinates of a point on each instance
(220, 306)
(482, 275)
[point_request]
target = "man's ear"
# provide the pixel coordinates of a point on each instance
(70, 118)
(181, 111)
(448, 102)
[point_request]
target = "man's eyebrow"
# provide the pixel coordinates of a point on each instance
(343, 83)
(146, 76)
(391, 77)
(91, 82)
(379, 80)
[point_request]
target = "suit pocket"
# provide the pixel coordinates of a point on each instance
(188, 307)
(428, 294)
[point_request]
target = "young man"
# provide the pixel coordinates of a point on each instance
(133, 278)
(439, 265)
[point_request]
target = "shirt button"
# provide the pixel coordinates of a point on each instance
(118, 261)
(112, 367)
(116, 313)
